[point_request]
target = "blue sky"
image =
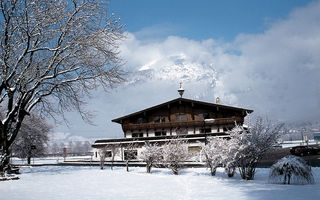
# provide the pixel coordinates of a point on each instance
(201, 19)
(262, 55)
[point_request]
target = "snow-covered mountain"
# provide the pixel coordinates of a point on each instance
(174, 68)
(62, 137)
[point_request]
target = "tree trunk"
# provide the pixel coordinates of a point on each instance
(230, 171)
(111, 165)
(175, 171)
(102, 164)
(285, 179)
(6, 142)
(148, 168)
(127, 165)
(29, 160)
(213, 171)
(4, 162)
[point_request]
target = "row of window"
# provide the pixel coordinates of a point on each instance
(137, 134)
(164, 133)
(133, 154)
(128, 154)
(157, 133)
(179, 117)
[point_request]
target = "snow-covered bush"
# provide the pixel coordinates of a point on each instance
(151, 155)
(291, 170)
(251, 144)
(229, 162)
(102, 155)
(112, 149)
(214, 153)
(174, 153)
(130, 153)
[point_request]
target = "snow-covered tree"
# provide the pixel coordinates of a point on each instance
(113, 149)
(32, 141)
(214, 153)
(251, 145)
(54, 148)
(53, 54)
(174, 153)
(102, 155)
(130, 153)
(152, 155)
(229, 162)
(291, 170)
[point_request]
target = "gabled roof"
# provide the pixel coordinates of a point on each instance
(118, 120)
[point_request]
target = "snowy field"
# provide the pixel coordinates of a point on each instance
(66, 182)
(49, 160)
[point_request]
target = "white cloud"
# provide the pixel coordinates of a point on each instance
(275, 73)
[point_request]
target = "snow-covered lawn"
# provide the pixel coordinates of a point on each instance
(49, 160)
(66, 182)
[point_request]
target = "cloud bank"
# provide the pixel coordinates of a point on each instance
(276, 73)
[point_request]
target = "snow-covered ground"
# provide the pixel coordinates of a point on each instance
(49, 160)
(69, 182)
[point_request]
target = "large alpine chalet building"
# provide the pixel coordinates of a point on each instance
(179, 118)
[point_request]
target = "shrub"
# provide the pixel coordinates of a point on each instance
(291, 170)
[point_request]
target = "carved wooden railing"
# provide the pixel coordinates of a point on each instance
(152, 125)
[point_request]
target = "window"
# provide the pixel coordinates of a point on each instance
(158, 119)
(130, 154)
(108, 154)
(96, 154)
(205, 130)
(203, 116)
(140, 120)
(160, 133)
(195, 149)
(181, 117)
(137, 134)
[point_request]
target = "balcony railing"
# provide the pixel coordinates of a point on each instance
(152, 125)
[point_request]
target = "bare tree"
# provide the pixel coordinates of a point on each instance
(115, 149)
(61, 148)
(71, 147)
(86, 146)
(251, 145)
(291, 170)
(33, 138)
(174, 153)
(151, 155)
(54, 148)
(110, 150)
(52, 54)
(102, 156)
(130, 153)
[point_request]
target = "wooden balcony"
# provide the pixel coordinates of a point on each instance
(152, 125)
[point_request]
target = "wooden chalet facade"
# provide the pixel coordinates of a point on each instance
(187, 119)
